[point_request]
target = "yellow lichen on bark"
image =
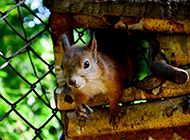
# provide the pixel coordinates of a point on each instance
(154, 115)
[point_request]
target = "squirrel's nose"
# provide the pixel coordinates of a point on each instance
(72, 81)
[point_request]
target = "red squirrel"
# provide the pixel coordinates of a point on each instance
(90, 71)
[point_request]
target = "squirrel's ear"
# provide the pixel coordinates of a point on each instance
(65, 42)
(92, 46)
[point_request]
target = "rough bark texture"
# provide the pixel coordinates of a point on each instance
(143, 24)
(161, 134)
(176, 48)
(134, 118)
(171, 9)
(153, 115)
(167, 89)
(62, 22)
(136, 121)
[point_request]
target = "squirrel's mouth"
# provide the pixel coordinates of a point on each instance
(77, 86)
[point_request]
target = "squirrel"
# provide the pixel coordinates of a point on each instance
(90, 71)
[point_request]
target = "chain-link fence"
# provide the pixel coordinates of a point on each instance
(27, 79)
(27, 76)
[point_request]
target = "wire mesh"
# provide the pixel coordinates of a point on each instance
(36, 89)
(32, 89)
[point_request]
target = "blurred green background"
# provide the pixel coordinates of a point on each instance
(12, 87)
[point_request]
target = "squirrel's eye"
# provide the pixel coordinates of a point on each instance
(86, 64)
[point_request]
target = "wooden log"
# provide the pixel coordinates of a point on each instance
(165, 134)
(129, 23)
(143, 24)
(176, 48)
(152, 16)
(171, 9)
(136, 120)
(60, 23)
(167, 89)
(132, 118)
(162, 69)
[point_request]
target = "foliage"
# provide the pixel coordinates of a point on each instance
(142, 51)
(85, 36)
(12, 87)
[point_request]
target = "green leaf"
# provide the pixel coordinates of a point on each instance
(3, 73)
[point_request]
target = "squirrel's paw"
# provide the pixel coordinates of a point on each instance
(186, 104)
(114, 120)
(81, 112)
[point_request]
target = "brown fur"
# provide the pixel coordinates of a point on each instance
(106, 73)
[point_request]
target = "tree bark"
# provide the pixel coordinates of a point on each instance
(171, 9)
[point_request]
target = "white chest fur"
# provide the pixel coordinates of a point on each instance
(93, 88)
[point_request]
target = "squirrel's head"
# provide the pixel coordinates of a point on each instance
(80, 63)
